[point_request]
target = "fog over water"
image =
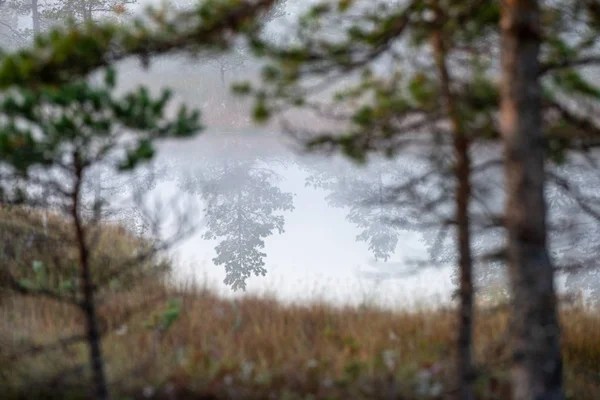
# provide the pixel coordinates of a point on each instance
(271, 219)
(317, 255)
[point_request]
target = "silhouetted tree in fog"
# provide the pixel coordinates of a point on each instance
(244, 207)
(365, 192)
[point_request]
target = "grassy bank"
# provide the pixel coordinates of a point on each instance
(169, 342)
(257, 348)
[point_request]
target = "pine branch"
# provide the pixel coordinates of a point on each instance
(566, 64)
(73, 53)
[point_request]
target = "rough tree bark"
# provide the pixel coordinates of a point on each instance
(88, 304)
(462, 173)
(537, 363)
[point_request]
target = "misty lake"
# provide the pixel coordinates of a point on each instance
(271, 220)
(317, 255)
(303, 239)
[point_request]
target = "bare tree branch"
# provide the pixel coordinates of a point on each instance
(566, 64)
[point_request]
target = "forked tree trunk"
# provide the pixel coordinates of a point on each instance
(462, 174)
(537, 363)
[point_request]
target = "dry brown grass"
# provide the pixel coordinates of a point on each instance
(258, 348)
(29, 237)
(253, 347)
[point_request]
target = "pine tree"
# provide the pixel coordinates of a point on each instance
(57, 126)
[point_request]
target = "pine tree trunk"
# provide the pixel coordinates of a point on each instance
(462, 173)
(465, 317)
(35, 17)
(88, 304)
(537, 363)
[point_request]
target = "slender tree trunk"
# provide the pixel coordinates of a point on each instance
(537, 362)
(88, 304)
(86, 11)
(463, 195)
(35, 17)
